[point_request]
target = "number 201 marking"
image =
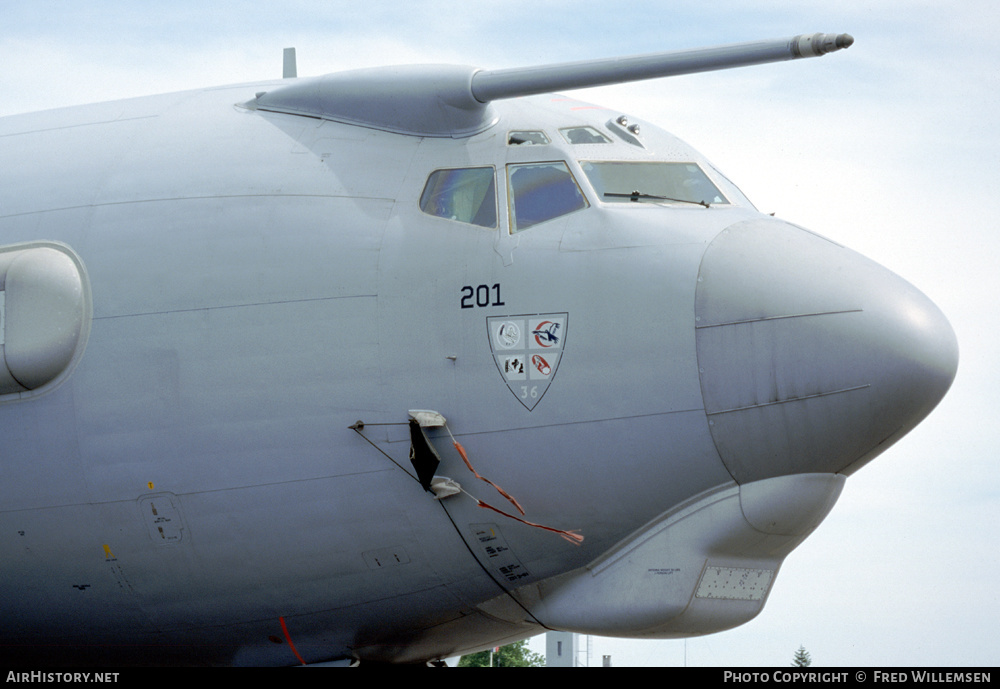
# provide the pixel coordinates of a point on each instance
(481, 296)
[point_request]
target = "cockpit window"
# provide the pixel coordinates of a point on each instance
(622, 182)
(583, 135)
(540, 192)
(526, 138)
(466, 195)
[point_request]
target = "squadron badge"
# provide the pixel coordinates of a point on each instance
(527, 350)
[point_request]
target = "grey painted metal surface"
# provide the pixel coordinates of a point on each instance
(685, 386)
(510, 83)
(454, 101)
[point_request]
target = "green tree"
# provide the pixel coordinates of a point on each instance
(513, 655)
(802, 658)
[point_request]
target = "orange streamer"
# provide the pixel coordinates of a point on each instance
(465, 458)
(288, 638)
(572, 536)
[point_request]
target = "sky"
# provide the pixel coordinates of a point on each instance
(890, 147)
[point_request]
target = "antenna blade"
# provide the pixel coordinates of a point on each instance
(289, 70)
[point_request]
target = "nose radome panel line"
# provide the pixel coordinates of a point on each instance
(774, 318)
(810, 355)
(785, 401)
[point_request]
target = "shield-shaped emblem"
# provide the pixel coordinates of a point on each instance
(527, 350)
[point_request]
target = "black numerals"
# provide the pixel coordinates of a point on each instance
(481, 296)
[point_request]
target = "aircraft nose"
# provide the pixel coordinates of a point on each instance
(812, 358)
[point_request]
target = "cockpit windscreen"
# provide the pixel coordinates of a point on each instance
(623, 182)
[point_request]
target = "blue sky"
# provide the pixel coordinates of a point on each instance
(890, 147)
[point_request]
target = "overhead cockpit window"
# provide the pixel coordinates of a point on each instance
(541, 191)
(583, 135)
(526, 138)
(621, 182)
(465, 195)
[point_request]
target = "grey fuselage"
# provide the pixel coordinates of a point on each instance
(188, 487)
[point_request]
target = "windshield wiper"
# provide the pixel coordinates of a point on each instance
(635, 196)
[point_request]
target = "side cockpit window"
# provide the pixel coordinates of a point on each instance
(541, 191)
(465, 195)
